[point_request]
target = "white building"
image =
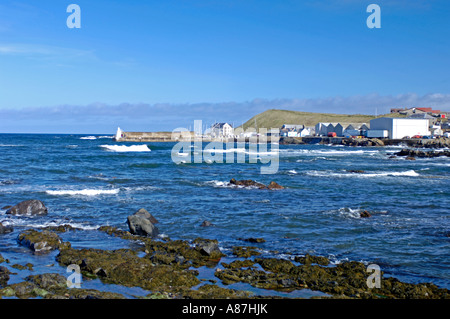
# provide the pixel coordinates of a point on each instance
(322, 128)
(222, 130)
(341, 129)
(400, 127)
(304, 132)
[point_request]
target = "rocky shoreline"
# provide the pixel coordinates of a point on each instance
(441, 142)
(169, 269)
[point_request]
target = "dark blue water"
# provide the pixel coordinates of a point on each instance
(88, 183)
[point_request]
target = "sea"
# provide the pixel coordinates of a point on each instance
(89, 181)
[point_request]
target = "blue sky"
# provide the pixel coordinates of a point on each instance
(157, 65)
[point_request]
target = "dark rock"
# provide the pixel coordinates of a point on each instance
(411, 158)
(207, 247)
(411, 153)
(48, 281)
(206, 223)
(253, 184)
(247, 183)
(310, 259)
(285, 140)
(4, 276)
(357, 171)
(365, 214)
(41, 242)
(30, 207)
(5, 229)
(253, 240)
(125, 267)
(141, 223)
(376, 142)
(143, 212)
(245, 251)
(274, 185)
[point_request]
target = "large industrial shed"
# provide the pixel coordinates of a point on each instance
(401, 127)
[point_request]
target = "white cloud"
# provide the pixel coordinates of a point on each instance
(40, 51)
(101, 117)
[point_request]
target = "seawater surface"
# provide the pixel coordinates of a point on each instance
(89, 181)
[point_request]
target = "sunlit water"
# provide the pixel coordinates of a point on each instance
(91, 181)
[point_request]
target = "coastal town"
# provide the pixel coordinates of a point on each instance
(402, 124)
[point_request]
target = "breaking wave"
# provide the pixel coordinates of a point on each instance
(124, 148)
(84, 192)
(410, 173)
(95, 137)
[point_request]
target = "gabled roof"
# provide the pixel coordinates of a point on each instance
(220, 125)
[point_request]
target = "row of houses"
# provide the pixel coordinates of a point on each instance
(293, 130)
(420, 110)
(341, 129)
(416, 124)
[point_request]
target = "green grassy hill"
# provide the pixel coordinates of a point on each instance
(276, 118)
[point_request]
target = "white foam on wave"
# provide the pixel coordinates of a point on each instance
(84, 192)
(333, 152)
(410, 173)
(26, 222)
(125, 148)
(349, 212)
(222, 184)
(95, 137)
(216, 183)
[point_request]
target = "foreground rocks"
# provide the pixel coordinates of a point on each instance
(253, 184)
(142, 223)
(41, 241)
(168, 269)
(29, 208)
(345, 280)
(52, 286)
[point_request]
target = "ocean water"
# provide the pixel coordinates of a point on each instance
(89, 181)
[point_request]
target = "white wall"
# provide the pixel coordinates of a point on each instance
(399, 128)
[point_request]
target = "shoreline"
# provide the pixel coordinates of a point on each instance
(157, 137)
(441, 142)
